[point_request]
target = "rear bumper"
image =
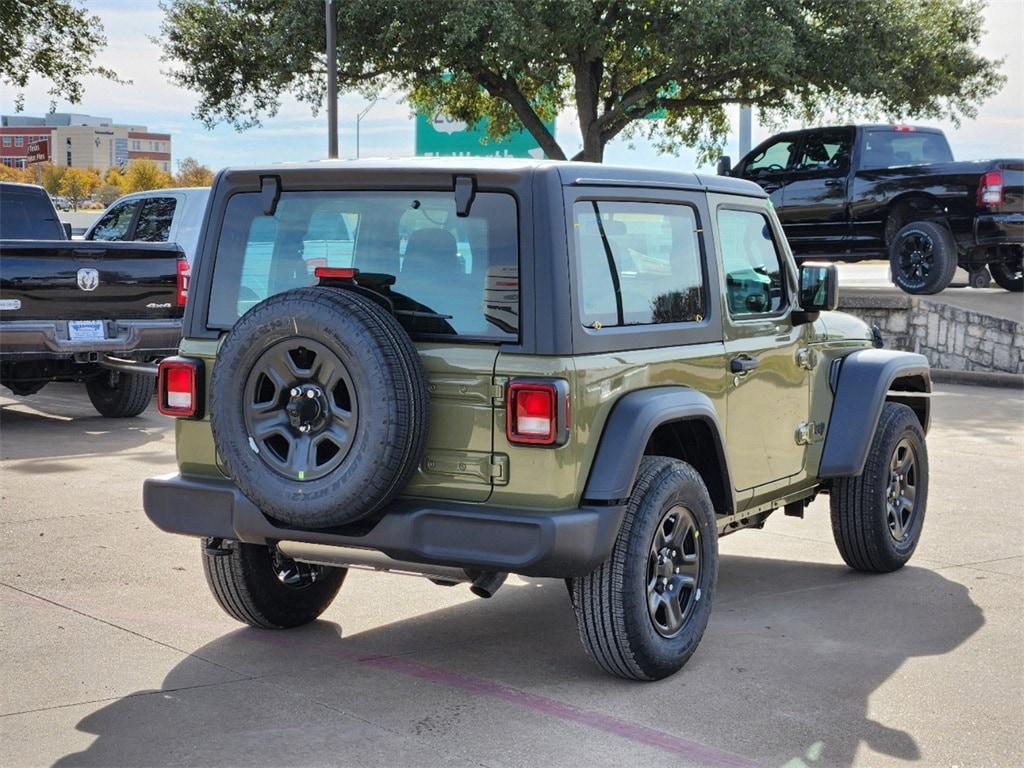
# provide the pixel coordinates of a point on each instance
(20, 339)
(564, 543)
(999, 229)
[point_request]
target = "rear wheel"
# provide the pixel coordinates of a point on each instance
(257, 586)
(1008, 274)
(922, 257)
(642, 613)
(120, 395)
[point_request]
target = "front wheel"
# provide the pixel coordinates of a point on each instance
(877, 516)
(642, 613)
(259, 587)
(922, 257)
(120, 395)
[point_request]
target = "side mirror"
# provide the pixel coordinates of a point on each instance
(724, 165)
(819, 287)
(67, 229)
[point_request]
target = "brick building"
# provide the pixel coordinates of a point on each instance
(82, 141)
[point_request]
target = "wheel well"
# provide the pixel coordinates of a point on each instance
(907, 209)
(913, 391)
(690, 441)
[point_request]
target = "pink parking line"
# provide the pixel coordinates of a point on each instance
(691, 750)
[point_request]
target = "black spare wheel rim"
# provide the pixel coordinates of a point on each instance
(300, 409)
(319, 407)
(901, 491)
(916, 257)
(673, 571)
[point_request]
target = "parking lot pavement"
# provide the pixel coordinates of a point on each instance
(114, 653)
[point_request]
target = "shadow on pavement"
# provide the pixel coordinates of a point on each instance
(784, 675)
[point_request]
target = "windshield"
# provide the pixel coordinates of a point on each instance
(890, 148)
(452, 276)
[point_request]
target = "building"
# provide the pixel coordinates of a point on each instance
(81, 141)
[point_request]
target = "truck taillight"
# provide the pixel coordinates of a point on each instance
(537, 412)
(184, 276)
(178, 387)
(990, 189)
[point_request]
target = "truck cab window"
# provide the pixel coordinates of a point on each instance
(770, 159)
(155, 218)
(825, 151)
(116, 223)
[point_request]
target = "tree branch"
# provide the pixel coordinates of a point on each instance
(503, 88)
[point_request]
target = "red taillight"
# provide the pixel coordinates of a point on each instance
(904, 128)
(184, 276)
(537, 412)
(990, 189)
(335, 273)
(178, 387)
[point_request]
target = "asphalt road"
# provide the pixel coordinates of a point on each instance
(113, 653)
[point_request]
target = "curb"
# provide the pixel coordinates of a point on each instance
(979, 378)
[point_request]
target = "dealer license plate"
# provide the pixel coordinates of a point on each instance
(85, 330)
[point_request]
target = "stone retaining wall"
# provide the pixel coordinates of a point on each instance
(950, 337)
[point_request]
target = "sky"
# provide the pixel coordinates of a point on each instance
(388, 128)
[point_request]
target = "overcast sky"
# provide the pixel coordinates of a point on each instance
(294, 134)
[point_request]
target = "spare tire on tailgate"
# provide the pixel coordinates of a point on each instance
(319, 406)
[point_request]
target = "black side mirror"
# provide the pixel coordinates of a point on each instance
(819, 287)
(724, 165)
(67, 229)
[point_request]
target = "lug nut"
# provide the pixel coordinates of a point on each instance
(295, 392)
(310, 393)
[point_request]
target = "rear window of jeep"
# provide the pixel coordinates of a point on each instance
(454, 276)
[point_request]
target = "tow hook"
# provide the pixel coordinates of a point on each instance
(217, 547)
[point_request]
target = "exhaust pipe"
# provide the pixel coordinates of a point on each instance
(487, 583)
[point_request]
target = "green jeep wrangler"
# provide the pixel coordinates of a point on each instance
(468, 368)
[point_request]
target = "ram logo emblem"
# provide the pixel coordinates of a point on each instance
(88, 279)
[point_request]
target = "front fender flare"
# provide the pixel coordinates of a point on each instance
(865, 377)
(633, 419)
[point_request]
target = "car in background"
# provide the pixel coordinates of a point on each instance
(155, 216)
(61, 203)
(850, 193)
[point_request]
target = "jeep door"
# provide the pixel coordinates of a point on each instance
(769, 394)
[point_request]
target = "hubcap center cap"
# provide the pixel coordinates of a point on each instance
(308, 408)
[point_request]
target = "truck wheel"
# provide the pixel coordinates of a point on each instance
(256, 586)
(923, 257)
(878, 515)
(642, 613)
(120, 395)
(1008, 276)
(319, 406)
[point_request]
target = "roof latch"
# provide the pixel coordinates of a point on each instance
(465, 192)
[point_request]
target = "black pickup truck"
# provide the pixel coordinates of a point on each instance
(883, 191)
(72, 310)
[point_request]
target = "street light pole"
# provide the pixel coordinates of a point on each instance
(359, 119)
(332, 79)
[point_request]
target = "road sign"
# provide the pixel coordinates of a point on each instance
(442, 136)
(38, 151)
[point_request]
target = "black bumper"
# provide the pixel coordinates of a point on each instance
(999, 229)
(568, 542)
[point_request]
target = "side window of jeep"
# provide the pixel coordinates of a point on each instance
(754, 278)
(639, 263)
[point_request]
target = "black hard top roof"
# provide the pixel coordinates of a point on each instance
(570, 173)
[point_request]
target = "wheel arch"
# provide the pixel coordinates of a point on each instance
(867, 379)
(911, 206)
(672, 421)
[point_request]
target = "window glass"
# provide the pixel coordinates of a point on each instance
(890, 148)
(155, 219)
(7, 141)
(825, 151)
(27, 214)
(754, 282)
(771, 159)
(116, 223)
(639, 263)
(448, 275)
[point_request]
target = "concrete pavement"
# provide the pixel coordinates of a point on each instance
(115, 654)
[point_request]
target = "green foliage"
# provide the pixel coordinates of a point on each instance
(53, 39)
(614, 62)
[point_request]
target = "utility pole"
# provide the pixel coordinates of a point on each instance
(332, 79)
(746, 118)
(359, 119)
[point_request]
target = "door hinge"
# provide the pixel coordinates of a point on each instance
(808, 432)
(807, 358)
(498, 390)
(499, 468)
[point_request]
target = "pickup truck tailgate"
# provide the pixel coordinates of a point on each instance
(88, 280)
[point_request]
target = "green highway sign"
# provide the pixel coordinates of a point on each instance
(442, 136)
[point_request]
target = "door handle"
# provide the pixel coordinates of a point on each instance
(834, 182)
(771, 187)
(743, 365)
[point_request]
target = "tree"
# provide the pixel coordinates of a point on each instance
(50, 176)
(144, 174)
(615, 63)
(18, 175)
(191, 173)
(52, 39)
(77, 184)
(107, 193)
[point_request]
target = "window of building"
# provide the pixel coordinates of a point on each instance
(136, 145)
(155, 218)
(639, 263)
(754, 277)
(7, 141)
(19, 141)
